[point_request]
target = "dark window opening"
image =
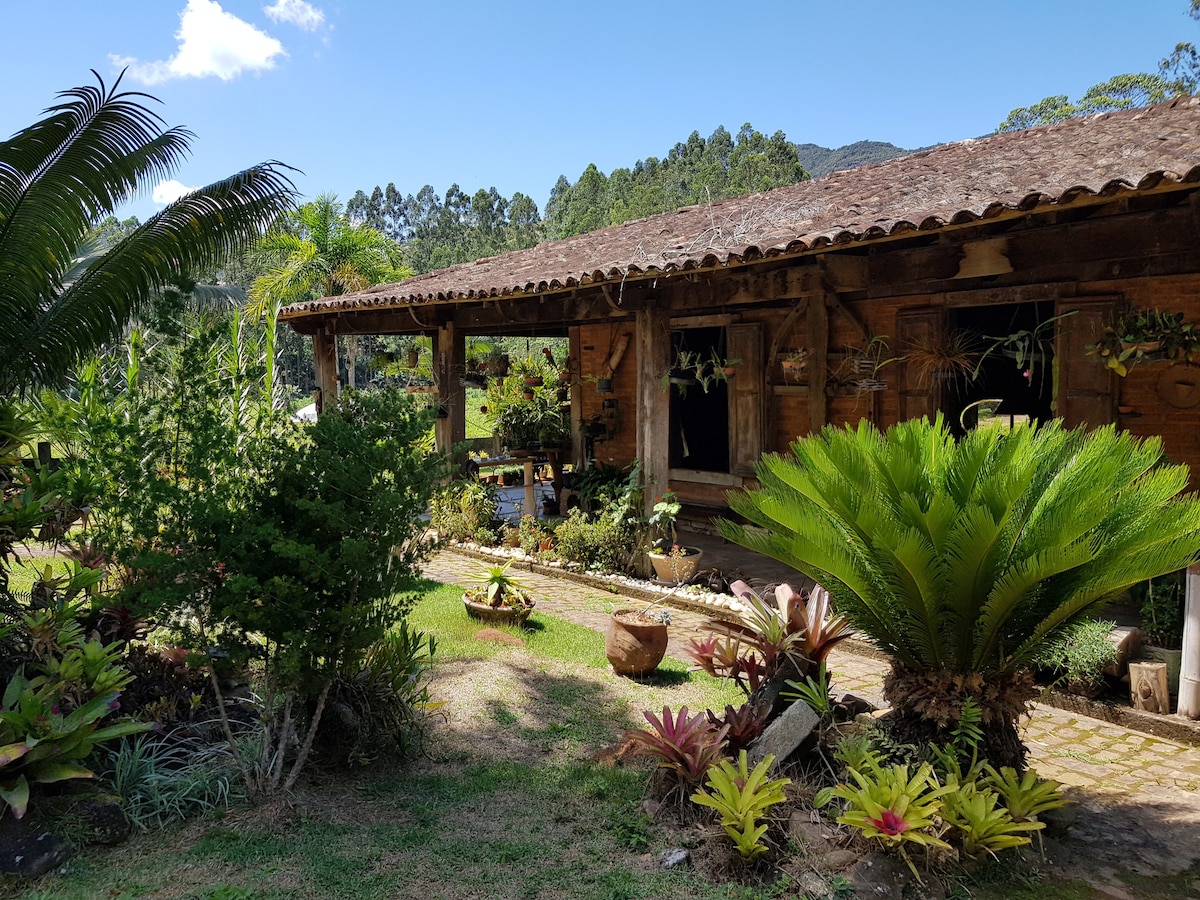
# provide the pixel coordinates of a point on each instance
(699, 420)
(1003, 392)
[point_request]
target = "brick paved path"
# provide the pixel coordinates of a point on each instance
(1074, 749)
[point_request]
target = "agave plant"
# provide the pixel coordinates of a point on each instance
(962, 559)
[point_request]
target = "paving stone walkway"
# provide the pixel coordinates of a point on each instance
(1087, 753)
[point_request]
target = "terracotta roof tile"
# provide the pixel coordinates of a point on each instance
(947, 185)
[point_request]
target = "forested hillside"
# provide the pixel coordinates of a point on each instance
(822, 160)
(438, 231)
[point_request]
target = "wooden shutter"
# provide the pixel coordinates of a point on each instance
(745, 342)
(1086, 393)
(916, 327)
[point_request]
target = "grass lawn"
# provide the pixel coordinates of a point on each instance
(510, 798)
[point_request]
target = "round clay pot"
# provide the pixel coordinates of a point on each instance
(497, 615)
(635, 643)
(676, 569)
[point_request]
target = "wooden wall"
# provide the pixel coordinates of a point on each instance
(1140, 258)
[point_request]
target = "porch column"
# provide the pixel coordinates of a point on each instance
(575, 350)
(1189, 670)
(325, 361)
(449, 365)
(653, 336)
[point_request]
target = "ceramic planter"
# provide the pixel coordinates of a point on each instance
(497, 615)
(676, 569)
(635, 643)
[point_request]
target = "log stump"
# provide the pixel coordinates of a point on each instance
(1148, 687)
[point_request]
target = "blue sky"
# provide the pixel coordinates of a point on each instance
(359, 93)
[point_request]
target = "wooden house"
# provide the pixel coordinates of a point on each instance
(868, 293)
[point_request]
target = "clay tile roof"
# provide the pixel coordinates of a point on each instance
(948, 185)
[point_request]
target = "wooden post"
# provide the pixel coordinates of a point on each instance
(1148, 687)
(817, 336)
(449, 366)
(652, 332)
(326, 363)
(1189, 670)
(575, 350)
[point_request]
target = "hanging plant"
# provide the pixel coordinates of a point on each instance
(1140, 335)
(1029, 347)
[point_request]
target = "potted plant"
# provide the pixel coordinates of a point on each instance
(498, 598)
(864, 364)
(636, 640)
(531, 371)
(673, 563)
(948, 355)
(1139, 335)
(1162, 622)
(1029, 347)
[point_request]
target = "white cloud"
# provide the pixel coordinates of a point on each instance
(211, 42)
(169, 191)
(296, 12)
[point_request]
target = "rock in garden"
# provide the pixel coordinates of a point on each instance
(879, 876)
(101, 819)
(785, 734)
(670, 859)
(812, 835)
(836, 860)
(29, 852)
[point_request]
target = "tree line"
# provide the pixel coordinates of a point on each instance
(437, 231)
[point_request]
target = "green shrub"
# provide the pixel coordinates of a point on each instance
(461, 510)
(1080, 656)
(599, 543)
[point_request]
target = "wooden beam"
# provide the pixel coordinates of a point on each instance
(325, 361)
(653, 341)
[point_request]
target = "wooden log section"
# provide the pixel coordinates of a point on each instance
(1148, 687)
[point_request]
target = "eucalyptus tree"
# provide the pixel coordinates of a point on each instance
(962, 560)
(317, 251)
(95, 149)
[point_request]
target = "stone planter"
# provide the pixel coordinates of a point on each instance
(676, 569)
(635, 642)
(497, 615)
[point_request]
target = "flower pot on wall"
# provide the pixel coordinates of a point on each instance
(604, 385)
(635, 642)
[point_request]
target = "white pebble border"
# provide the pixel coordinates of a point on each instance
(690, 596)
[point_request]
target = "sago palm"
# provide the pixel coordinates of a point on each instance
(316, 251)
(91, 153)
(961, 559)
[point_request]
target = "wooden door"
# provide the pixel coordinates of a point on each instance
(745, 342)
(916, 328)
(1086, 392)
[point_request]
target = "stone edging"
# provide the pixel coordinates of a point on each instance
(1172, 727)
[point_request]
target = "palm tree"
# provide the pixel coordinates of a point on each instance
(962, 560)
(314, 252)
(58, 179)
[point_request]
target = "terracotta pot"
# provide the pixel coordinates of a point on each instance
(497, 615)
(533, 381)
(635, 643)
(676, 569)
